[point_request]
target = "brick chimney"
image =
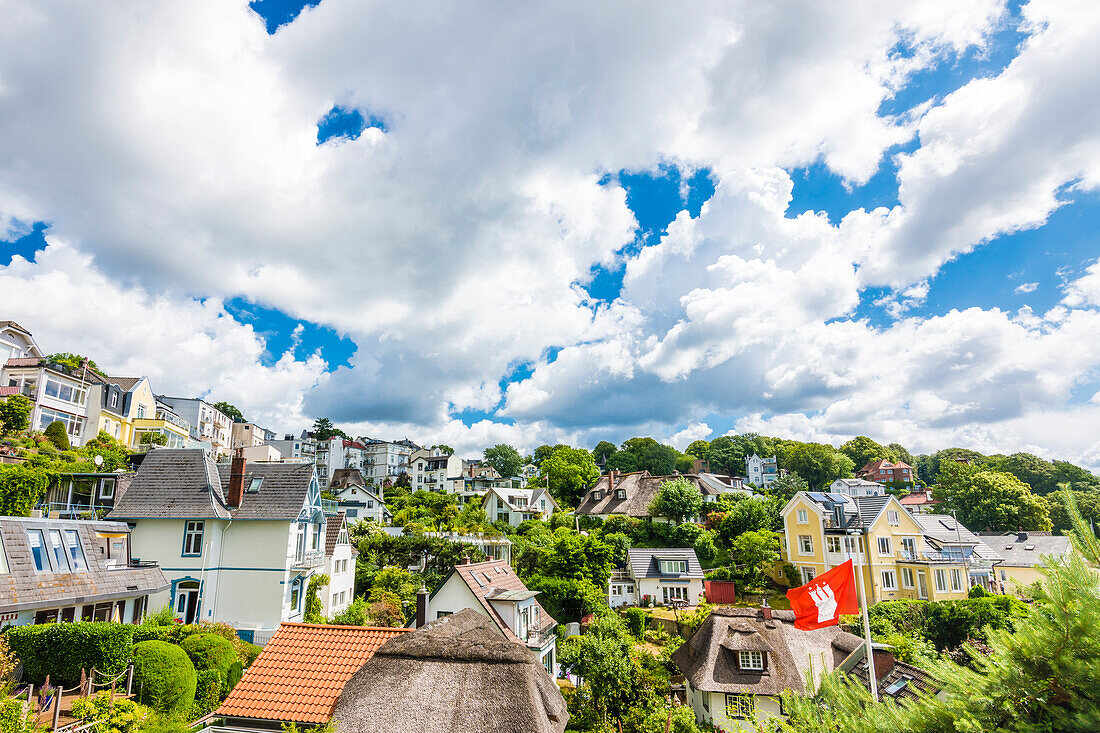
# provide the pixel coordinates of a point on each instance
(236, 479)
(765, 610)
(421, 606)
(610, 481)
(884, 662)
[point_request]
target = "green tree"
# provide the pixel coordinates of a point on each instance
(504, 459)
(56, 434)
(785, 487)
(603, 451)
(752, 552)
(623, 462)
(699, 448)
(902, 454)
(115, 455)
(658, 459)
(819, 464)
(862, 450)
(677, 500)
(602, 658)
(21, 489)
(314, 605)
(153, 438)
(229, 411)
(989, 500)
(544, 451)
(569, 473)
(323, 429)
(15, 414)
(1088, 503)
(445, 448)
(726, 456)
(73, 362)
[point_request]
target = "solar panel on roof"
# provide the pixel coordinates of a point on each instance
(837, 497)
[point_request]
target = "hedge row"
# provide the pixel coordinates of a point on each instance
(63, 650)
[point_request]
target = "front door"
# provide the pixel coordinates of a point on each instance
(922, 585)
(187, 601)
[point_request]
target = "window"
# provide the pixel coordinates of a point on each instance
(674, 567)
(805, 544)
(907, 577)
(141, 411)
(192, 538)
(751, 660)
(107, 489)
(851, 543)
(597, 495)
(73, 424)
(64, 392)
(808, 574)
(833, 543)
(956, 580)
(316, 537)
(739, 707)
(295, 594)
(941, 579)
(892, 518)
(803, 516)
(59, 552)
(889, 580)
(38, 550)
(909, 547)
(674, 593)
(254, 485)
(884, 546)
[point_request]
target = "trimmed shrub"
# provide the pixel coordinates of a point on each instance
(236, 671)
(208, 692)
(151, 633)
(635, 622)
(208, 651)
(62, 650)
(55, 431)
(164, 677)
(123, 716)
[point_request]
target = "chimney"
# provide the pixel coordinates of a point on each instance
(610, 481)
(1021, 537)
(884, 662)
(236, 479)
(421, 606)
(765, 610)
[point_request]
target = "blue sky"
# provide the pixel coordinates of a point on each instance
(457, 272)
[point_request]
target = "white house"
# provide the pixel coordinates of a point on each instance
(761, 471)
(302, 448)
(493, 589)
(664, 575)
(17, 342)
(207, 422)
(433, 469)
(58, 393)
(339, 566)
(238, 542)
(260, 453)
(67, 570)
(856, 487)
(356, 499)
(339, 453)
(386, 459)
(517, 505)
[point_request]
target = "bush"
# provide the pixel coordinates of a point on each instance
(209, 686)
(56, 434)
(236, 671)
(635, 619)
(977, 592)
(124, 716)
(14, 720)
(63, 650)
(164, 677)
(790, 572)
(209, 651)
(151, 633)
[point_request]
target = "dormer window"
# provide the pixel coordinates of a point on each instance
(751, 661)
(597, 495)
(674, 567)
(620, 493)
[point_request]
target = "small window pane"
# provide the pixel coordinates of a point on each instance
(38, 550)
(59, 551)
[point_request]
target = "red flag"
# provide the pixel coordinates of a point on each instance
(820, 602)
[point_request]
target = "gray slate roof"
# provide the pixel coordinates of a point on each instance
(1012, 547)
(944, 529)
(641, 489)
(708, 658)
(646, 562)
(22, 588)
(187, 483)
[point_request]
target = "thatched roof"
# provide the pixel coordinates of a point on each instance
(454, 674)
(708, 658)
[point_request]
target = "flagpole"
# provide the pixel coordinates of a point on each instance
(869, 651)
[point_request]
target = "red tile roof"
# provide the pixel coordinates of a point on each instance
(24, 361)
(302, 671)
(483, 577)
(8, 391)
(917, 499)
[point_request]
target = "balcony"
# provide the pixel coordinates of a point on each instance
(307, 560)
(330, 508)
(955, 558)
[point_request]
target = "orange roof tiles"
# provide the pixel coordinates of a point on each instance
(302, 671)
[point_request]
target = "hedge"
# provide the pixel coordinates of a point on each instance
(208, 692)
(209, 651)
(236, 671)
(164, 677)
(151, 633)
(63, 650)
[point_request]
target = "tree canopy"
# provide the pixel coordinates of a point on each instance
(862, 450)
(504, 459)
(230, 411)
(990, 500)
(677, 500)
(819, 464)
(15, 414)
(323, 429)
(569, 473)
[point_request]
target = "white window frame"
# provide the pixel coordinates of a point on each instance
(805, 541)
(740, 706)
(884, 547)
(889, 580)
(192, 529)
(941, 580)
(907, 578)
(674, 593)
(808, 574)
(833, 544)
(674, 567)
(751, 660)
(956, 580)
(803, 516)
(892, 517)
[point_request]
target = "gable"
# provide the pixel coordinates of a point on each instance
(907, 524)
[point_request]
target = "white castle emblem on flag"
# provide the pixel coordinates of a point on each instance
(825, 600)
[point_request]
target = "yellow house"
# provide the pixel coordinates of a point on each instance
(115, 403)
(165, 421)
(1023, 554)
(930, 556)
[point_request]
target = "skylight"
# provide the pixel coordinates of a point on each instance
(896, 686)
